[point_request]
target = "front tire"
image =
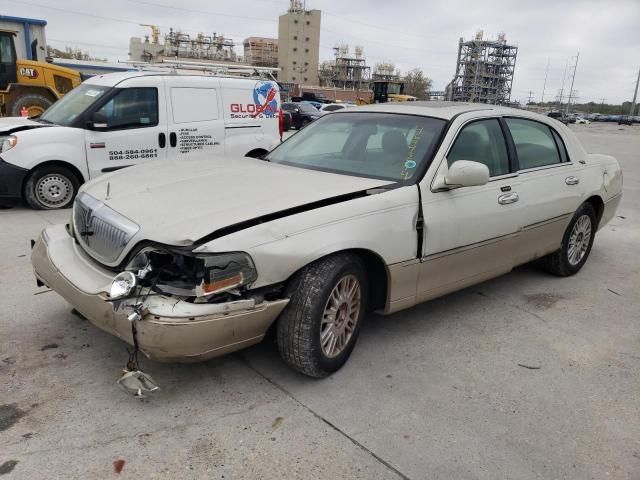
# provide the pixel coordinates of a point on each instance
(576, 243)
(319, 328)
(50, 188)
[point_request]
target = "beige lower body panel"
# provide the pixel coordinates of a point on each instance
(163, 338)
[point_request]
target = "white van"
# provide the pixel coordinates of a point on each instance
(120, 119)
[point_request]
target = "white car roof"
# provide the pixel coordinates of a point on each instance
(445, 110)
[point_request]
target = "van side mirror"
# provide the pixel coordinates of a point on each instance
(462, 173)
(97, 121)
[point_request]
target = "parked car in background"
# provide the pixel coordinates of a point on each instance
(582, 120)
(333, 107)
(117, 120)
(559, 116)
(316, 105)
(301, 113)
(625, 120)
(312, 97)
(370, 209)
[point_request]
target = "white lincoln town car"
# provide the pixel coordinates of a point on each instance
(375, 208)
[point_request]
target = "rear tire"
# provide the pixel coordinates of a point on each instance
(319, 328)
(35, 104)
(576, 243)
(51, 188)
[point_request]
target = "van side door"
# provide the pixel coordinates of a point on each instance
(195, 121)
(128, 127)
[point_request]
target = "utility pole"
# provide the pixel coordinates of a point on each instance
(546, 74)
(530, 97)
(564, 77)
(573, 77)
(635, 96)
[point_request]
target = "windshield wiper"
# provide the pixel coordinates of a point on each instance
(42, 120)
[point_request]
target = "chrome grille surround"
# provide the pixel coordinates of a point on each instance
(101, 231)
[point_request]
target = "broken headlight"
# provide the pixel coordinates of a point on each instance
(193, 275)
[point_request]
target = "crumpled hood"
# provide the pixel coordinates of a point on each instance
(11, 124)
(178, 202)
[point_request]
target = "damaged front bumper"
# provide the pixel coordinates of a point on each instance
(170, 330)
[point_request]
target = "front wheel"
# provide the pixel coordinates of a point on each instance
(49, 188)
(576, 243)
(318, 329)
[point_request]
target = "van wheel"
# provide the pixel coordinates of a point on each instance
(319, 327)
(576, 244)
(34, 103)
(50, 188)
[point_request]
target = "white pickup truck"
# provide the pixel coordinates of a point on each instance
(121, 119)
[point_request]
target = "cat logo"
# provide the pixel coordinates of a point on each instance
(29, 72)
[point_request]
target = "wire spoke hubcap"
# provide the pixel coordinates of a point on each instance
(54, 190)
(579, 240)
(340, 316)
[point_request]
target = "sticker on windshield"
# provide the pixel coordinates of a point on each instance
(92, 93)
(410, 163)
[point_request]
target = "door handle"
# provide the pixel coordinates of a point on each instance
(162, 140)
(572, 180)
(173, 139)
(508, 198)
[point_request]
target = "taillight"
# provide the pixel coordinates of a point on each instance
(281, 124)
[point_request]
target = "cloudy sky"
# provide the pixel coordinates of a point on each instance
(410, 33)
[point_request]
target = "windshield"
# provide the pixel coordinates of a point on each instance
(374, 145)
(66, 110)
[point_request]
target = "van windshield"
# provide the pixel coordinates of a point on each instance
(66, 110)
(385, 146)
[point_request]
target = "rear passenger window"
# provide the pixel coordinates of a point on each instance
(194, 104)
(534, 143)
(482, 141)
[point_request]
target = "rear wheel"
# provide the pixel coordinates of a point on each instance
(576, 243)
(319, 327)
(35, 104)
(52, 187)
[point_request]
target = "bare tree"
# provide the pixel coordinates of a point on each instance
(416, 84)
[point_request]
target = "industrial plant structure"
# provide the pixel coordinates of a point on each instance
(299, 45)
(484, 71)
(261, 51)
(347, 70)
(179, 45)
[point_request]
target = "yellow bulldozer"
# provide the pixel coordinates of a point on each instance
(27, 87)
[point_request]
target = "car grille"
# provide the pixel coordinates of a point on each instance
(102, 232)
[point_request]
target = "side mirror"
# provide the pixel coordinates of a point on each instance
(97, 121)
(296, 110)
(463, 173)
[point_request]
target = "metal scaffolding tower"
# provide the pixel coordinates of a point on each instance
(348, 71)
(484, 71)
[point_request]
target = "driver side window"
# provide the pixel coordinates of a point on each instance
(130, 108)
(483, 142)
